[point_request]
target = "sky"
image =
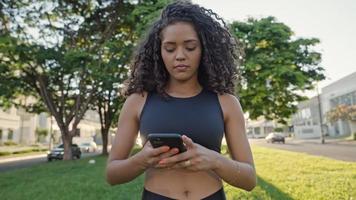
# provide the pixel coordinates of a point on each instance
(331, 21)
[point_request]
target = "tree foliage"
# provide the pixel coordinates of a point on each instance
(342, 112)
(77, 58)
(74, 55)
(275, 68)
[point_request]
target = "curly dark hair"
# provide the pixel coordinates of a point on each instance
(218, 67)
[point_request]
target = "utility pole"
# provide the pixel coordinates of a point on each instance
(320, 117)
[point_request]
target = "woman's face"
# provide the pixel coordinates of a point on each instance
(181, 51)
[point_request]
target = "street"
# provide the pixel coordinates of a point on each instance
(338, 151)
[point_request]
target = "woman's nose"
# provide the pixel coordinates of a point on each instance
(180, 55)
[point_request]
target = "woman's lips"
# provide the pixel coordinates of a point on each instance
(181, 67)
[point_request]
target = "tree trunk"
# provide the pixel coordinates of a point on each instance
(104, 136)
(67, 142)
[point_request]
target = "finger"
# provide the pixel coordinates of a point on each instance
(170, 153)
(159, 150)
(156, 159)
(161, 166)
(165, 165)
(183, 164)
(176, 158)
(188, 142)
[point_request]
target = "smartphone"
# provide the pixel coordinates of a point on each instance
(173, 140)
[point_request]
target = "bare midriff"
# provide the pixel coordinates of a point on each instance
(181, 183)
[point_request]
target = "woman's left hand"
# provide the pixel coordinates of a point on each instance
(196, 158)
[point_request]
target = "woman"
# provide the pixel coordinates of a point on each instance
(182, 82)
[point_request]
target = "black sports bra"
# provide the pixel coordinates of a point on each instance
(199, 117)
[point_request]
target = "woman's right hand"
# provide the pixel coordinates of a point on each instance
(149, 157)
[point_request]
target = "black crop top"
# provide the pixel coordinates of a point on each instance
(199, 117)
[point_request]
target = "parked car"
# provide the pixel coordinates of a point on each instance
(275, 137)
(88, 147)
(58, 152)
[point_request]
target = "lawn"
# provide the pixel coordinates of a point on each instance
(281, 175)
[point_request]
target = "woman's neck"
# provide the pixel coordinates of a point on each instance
(185, 89)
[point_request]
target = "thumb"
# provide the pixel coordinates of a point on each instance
(188, 142)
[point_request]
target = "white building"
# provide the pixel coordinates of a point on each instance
(306, 121)
(340, 92)
(18, 126)
(259, 128)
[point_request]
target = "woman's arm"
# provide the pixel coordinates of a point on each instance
(120, 167)
(239, 171)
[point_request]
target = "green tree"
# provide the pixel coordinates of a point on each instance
(54, 67)
(78, 60)
(276, 66)
(115, 54)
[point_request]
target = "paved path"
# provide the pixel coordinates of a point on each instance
(339, 150)
(8, 164)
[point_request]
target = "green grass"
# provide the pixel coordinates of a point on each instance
(281, 175)
(290, 175)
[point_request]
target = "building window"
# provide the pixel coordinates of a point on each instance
(354, 98)
(307, 131)
(347, 99)
(334, 102)
(0, 134)
(257, 130)
(10, 134)
(306, 113)
(42, 121)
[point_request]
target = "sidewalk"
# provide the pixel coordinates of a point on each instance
(340, 141)
(334, 148)
(20, 148)
(6, 159)
(27, 156)
(22, 156)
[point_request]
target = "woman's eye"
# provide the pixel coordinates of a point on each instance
(169, 50)
(190, 48)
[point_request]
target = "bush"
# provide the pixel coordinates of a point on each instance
(278, 129)
(41, 133)
(22, 151)
(5, 153)
(10, 143)
(39, 149)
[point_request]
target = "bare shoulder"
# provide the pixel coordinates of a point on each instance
(230, 105)
(136, 98)
(227, 99)
(135, 102)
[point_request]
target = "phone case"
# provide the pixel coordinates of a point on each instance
(173, 140)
